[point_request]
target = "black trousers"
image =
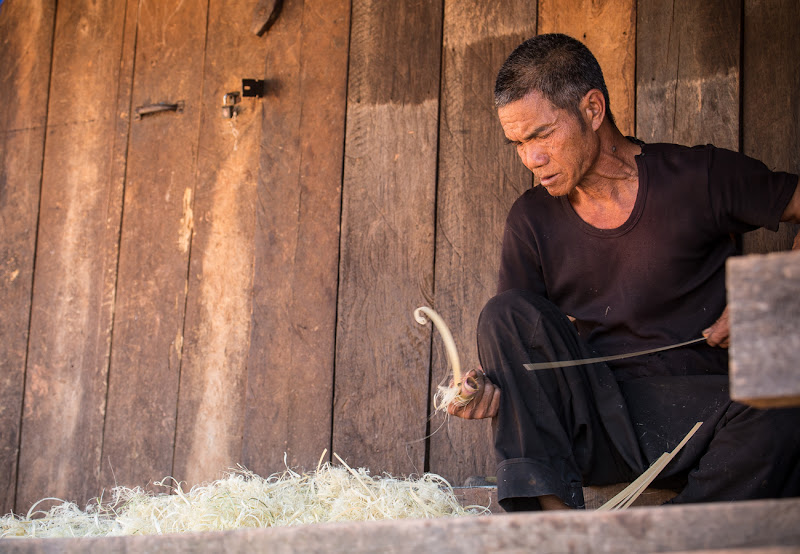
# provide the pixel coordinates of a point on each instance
(561, 429)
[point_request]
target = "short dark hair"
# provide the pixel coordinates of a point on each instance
(561, 68)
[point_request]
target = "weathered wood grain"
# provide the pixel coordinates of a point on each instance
(76, 259)
(157, 229)
(765, 314)
(771, 100)
(687, 72)
(26, 38)
(386, 270)
(479, 178)
(608, 28)
(290, 363)
(211, 401)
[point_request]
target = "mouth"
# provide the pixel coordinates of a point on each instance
(547, 181)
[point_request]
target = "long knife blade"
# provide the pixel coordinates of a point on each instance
(570, 363)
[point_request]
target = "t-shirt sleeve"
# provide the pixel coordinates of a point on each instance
(744, 193)
(520, 265)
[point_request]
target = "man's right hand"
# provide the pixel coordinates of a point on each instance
(719, 334)
(485, 397)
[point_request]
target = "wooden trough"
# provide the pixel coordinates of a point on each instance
(757, 526)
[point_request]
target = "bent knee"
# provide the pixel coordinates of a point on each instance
(510, 306)
(511, 313)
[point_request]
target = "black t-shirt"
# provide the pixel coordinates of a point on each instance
(660, 277)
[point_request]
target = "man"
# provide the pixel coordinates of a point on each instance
(619, 247)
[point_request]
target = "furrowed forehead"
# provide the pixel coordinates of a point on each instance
(528, 117)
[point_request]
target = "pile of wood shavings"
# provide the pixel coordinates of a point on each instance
(243, 499)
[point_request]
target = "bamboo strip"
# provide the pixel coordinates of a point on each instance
(629, 494)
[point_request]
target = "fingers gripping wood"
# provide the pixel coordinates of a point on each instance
(472, 395)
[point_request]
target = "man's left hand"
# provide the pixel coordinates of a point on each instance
(484, 397)
(719, 333)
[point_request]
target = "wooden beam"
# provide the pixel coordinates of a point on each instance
(290, 363)
(27, 31)
(479, 178)
(771, 100)
(76, 258)
(157, 229)
(386, 269)
(687, 72)
(765, 315)
(608, 28)
(763, 526)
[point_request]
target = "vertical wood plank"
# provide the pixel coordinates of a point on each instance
(154, 248)
(386, 269)
(217, 331)
(290, 364)
(608, 28)
(771, 100)
(687, 60)
(76, 257)
(479, 178)
(26, 39)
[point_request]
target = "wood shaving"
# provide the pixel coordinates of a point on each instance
(243, 499)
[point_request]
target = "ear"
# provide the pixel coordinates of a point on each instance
(593, 108)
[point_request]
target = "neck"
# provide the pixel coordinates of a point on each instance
(607, 193)
(615, 163)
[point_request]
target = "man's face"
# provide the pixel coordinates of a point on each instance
(550, 141)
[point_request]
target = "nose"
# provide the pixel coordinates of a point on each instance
(533, 156)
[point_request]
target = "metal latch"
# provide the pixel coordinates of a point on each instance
(250, 88)
(142, 111)
(229, 102)
(253, 87)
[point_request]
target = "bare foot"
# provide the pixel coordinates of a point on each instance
(552, 502)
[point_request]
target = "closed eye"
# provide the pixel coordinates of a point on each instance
(536, 135)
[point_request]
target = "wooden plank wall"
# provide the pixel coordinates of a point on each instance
(76, 254)
(24, 82)
(386, 267)
(184, 292)
(211, 398)
(473, 194)
(771, 100)
(155, 244)
(608, 28)
(290, 366)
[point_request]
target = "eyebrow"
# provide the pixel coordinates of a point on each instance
(533, 134)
